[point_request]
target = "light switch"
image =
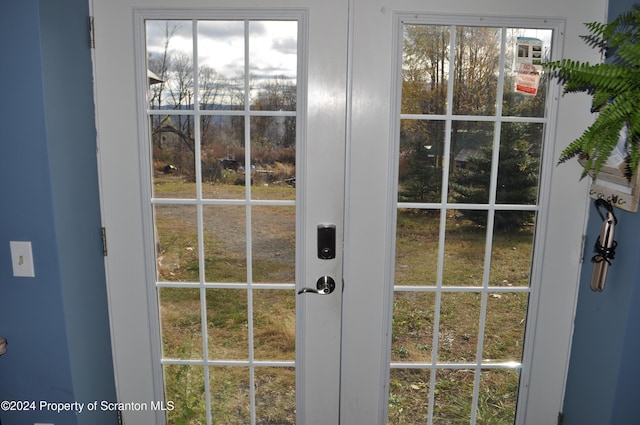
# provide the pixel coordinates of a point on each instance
(22, 259)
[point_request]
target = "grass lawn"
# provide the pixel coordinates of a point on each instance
(227, 311)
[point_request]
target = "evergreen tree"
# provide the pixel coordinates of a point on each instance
(517, 181)
(424, 181)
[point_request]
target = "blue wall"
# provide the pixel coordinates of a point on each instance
(56, 323)
(603, 384)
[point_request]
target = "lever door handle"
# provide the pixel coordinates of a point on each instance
(324, 286)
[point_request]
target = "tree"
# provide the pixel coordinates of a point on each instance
(276, 94)
(425, 71)
(427, 58)
(421, 161)
(477, 56)
(517, 180)
(180, 86)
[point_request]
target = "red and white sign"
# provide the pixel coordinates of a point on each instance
(527, 79)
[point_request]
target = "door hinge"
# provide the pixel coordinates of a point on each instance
(559, 418)
(120, 421)
(583, 241)
(103, 232)
(92, 40)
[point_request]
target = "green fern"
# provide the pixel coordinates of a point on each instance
(615, 87)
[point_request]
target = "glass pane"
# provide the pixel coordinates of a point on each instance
(227, 324)
(282, 184)
(408, 396)
(274, 324)
(230, 395)
(184, 385)
(512, 250)
(412, 337)
(504, 329)
(181, 323)
(225, 250)
(471, 158)
(275, 395)
(421, 159)
(228, 169)
(498, 396)
(475, 60)
(273, 64)
(417, 235)
(221, 65)
(459, 321)
(273, 156)
(273, 244)
(519, 166)
(222, 153)
(425, 69)
(464, 248)
(477, 56)
(223, 157)
(170, 65)
(454, 396)
(172, 156)
(176, 243)
(526, 46)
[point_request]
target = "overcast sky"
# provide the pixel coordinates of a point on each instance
(272, 44)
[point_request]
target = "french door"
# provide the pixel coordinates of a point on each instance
(332, 212)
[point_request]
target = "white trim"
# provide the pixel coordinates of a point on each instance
(99, 162)
(446, 288)
(145, 173)
(544, 199)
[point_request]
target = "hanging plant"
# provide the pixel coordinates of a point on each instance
(615, 87)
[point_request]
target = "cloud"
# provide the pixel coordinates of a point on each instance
(221, 30)
(221, 44)
(287, 46)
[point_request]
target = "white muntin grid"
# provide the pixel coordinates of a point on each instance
(200, 202)
(439, 287)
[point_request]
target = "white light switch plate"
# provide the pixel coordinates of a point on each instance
(22, 259)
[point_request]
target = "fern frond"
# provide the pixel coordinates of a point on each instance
(574, 149)
(626, 22)
(633, 140)
(596, 39)
(634, 153)
(598, 141)
(615, 87)
(627, 54)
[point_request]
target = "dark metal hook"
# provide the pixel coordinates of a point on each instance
(601, 203)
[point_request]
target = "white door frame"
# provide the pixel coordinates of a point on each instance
(367, 273)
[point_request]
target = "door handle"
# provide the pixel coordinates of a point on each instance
(324, 286)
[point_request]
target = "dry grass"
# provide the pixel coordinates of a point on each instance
(414, 323)
(273, 313)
